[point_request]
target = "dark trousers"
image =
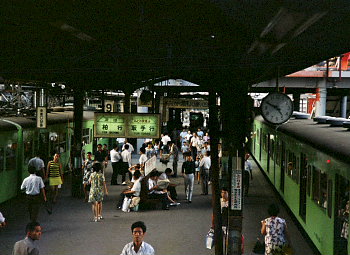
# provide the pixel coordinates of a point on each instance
(175, 167)
(204, 180)
(162, 197)
(115, 166)
(194, 152)
(34, 202)
(173, 193)
(124, 170)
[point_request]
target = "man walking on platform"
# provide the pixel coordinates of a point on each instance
(27, 245)
(33, 185)
(138, 246)
(204, 166)
(174, 150)
(116, 165)
(101, 155)
(39, 165)
(126, 157)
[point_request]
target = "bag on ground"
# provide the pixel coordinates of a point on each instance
(209, 240)
(126, 204)
(259, 247)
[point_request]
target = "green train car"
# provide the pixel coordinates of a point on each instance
(20, 140)
(308, 164)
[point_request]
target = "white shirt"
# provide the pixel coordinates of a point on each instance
(163, 176)
(151, 184)
(143, 159)
(2, 218)
(126, 156)
(166, 139)
(32, 184)
(136, 187)
(195, 141)
(115, 156)
(131, 148)
(145, 249)
(205, 162)
(37, 162)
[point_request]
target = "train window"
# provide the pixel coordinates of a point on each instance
(319, 188)
(329, 198)
(11, 157)
(86, 136)
(308, 187)
(272, 148)
(2, 156)
(293, 166)
(28, 151)
(278, 153)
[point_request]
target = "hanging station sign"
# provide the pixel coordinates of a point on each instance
(41, 117)
(117, 125)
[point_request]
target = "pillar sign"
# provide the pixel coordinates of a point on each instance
(236, 189)
(109, 106)
(41, 117)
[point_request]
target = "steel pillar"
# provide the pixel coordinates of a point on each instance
(77, 144)
(234, 123)
(296, 102)
(344, 105)
(215, 169)
(321, 98)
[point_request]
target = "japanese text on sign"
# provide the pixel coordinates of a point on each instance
(127, 125)
(236, 189)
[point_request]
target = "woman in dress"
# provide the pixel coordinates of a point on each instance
(98, 185)
(55, 175)
(275, 231)
(87, 168)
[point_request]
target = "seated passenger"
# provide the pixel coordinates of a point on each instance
(133, 169)
(154, 193)
(133, 191)
(171, 187)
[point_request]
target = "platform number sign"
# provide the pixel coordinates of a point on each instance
(41, 117)
(109, 106)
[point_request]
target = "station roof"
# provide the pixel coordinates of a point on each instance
(128, 44)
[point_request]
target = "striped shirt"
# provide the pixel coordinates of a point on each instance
(54, 169)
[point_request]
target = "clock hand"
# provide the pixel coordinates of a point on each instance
(276, 107)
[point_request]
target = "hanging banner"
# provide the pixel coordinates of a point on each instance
(41, 117)
(236, 189)
(119, 125)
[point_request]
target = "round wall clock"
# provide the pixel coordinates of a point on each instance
(276, 108)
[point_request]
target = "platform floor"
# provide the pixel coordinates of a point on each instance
(179, 231)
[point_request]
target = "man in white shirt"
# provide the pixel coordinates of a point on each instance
(27, 245)
(39, 165)
(166, 139)
(143, 158)
(204, 166)
(33, 185)
(138, 246)
(194, 145)
(115, 157)
(130, 147)
(131, 192)
(126, 156)
(183, 136)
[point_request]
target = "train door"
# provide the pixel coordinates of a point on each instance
(303, 183)
(283, 165)
(341, 225)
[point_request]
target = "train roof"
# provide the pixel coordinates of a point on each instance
(334, 141)
(52, 118)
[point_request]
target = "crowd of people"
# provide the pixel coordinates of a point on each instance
(140, 188)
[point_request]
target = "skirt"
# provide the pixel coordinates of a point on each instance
(55, 181)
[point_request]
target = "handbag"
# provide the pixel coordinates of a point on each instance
(209, 240)
(259, 247)
(126, 204)
(165, 158)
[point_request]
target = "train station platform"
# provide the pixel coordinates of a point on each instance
(179, 231)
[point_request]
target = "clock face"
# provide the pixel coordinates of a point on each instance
(276, 108)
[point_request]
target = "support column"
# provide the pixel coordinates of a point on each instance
(233, 112)
(77, 144)
(215, 169)
(321, 98)
(344, 105)
(296, 102)
(127, 95)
